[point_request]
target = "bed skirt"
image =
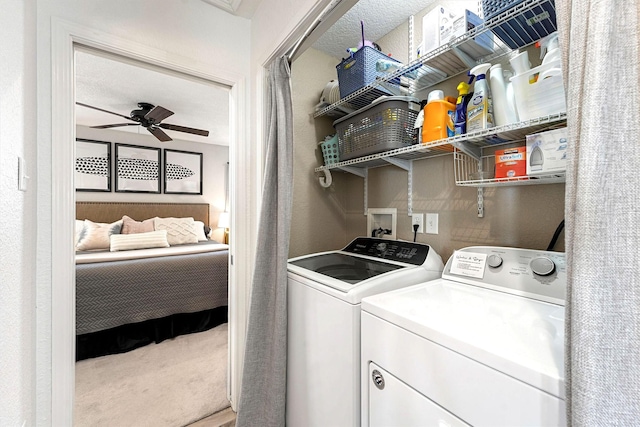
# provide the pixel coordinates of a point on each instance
(134, 335)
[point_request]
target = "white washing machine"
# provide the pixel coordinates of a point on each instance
(324, 294)
(482, 346)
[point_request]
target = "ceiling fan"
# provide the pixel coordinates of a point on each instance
(150, 117)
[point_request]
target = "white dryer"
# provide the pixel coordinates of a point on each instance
(482, 346)
(324, 294)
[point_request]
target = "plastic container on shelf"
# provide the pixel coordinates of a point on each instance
(330, 150)
(384, 125)
(540, 91)
(439, 116)
(523, 28)
(359, 70)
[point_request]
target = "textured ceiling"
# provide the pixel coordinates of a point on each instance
(117, 85)
(379, 17)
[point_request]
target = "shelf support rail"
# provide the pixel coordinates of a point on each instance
(408, 166)
(362, 173)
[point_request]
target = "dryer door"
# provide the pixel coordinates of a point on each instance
(393, 403)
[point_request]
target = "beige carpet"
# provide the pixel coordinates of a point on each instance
(173, 383)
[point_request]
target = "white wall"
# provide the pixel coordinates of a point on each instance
(189, 32)
(214, 179)
(17, 210)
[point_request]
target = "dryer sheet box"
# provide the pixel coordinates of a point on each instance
(440, 26)
(547, 152)
(511, 162)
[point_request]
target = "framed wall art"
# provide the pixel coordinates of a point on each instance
(93, 165)
(137, 169)
(182, 172)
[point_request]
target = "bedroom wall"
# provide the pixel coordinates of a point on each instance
(190, 32)
(214, 157)
(17, 210)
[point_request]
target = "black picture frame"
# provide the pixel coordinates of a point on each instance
(137, 169)
(93, 165)
(182, 172)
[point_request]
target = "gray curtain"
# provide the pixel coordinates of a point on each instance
(601, 62)
(263, 392)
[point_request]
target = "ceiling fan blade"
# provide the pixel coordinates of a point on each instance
(158, 114)
(184, 129)
(158, 133)
(104, 111)
(115, 125)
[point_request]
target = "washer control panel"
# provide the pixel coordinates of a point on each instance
(395, 250)
(541, 275)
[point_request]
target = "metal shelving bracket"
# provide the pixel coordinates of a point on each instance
(408, 166)
(361, 172)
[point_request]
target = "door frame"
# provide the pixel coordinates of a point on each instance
(65, 35)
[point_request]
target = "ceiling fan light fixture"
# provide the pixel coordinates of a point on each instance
(150, 117)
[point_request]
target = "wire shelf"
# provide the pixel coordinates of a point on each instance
(470, 144)
(509, 28)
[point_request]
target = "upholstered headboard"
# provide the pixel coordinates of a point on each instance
(113, 211)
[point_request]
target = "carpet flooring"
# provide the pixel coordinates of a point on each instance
(173, 383)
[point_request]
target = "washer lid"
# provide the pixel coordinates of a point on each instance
(521, 337)
(347, 268)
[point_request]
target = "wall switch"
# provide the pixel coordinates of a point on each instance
(417, 219)
(432, 223)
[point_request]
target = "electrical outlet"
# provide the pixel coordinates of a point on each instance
(417, 219)
(432, 223)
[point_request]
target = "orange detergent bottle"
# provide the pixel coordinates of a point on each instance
(439, 115)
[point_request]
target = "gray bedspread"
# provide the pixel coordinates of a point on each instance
(110, 294)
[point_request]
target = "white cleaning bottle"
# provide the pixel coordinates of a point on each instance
(480, 108)
(549, 48)
(503, 112)
(520, 62)
(511, 94)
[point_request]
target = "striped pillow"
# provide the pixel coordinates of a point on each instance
(150, 239)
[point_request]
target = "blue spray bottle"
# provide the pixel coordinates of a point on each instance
(460, 122)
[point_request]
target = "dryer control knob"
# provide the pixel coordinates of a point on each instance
(542, 266)
(494, 261)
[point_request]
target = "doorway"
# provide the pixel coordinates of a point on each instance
(107, 88)
(65, 37)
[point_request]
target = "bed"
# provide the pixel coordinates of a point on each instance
(129, 298)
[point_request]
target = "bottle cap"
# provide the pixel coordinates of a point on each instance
(435, 95)
(463, 88)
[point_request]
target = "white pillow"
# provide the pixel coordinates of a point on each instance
(79, 227)
(179, 230)
(149, 239)
(199, 230)
(95, 235)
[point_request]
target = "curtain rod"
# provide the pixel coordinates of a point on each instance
(323, 15)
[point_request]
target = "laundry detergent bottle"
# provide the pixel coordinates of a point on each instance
(480, 108)
(503, 109)
(438, 117)
(460, 121)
